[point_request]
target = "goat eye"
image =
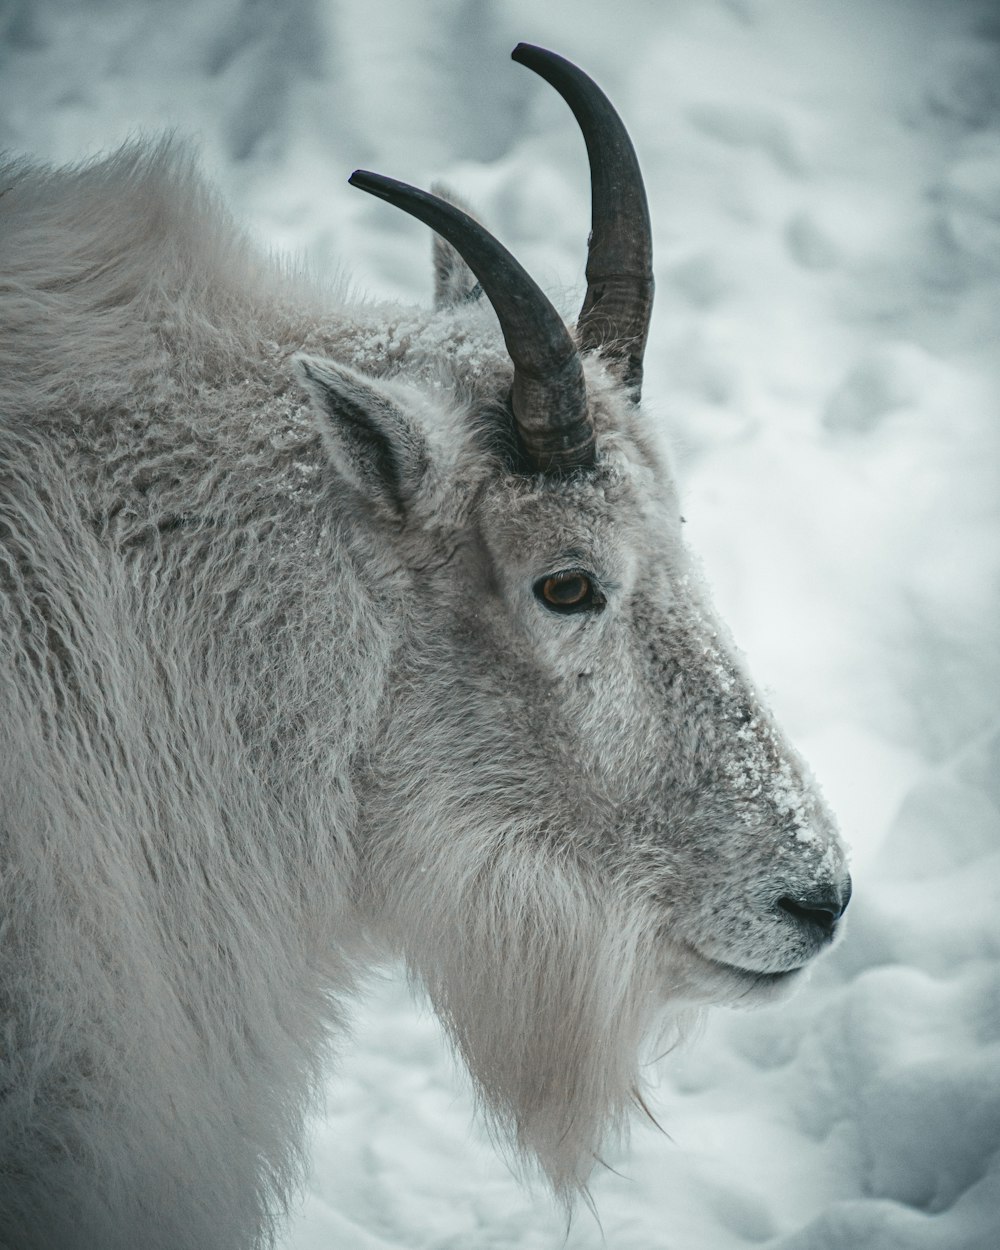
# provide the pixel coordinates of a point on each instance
(569, 591)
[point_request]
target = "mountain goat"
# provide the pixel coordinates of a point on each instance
(334, 632)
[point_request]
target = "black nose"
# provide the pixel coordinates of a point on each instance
(822, 908)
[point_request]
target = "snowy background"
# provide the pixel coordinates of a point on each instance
(824, 179)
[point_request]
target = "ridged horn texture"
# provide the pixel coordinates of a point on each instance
(619, 301)
(549, 397)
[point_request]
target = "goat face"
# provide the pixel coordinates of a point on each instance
(564, 683)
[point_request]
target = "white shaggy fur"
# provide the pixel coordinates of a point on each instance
(276, 699)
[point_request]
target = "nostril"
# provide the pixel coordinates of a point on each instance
(822, 910)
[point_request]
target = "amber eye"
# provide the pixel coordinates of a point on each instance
(569, 591)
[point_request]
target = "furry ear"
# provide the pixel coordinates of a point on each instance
(371, 442)
(454, 281)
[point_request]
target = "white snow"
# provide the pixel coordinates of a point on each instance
(825, 187)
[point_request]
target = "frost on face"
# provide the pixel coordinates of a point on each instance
(760, 768)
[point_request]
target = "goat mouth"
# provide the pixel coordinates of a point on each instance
(753, 976)
(699, 979)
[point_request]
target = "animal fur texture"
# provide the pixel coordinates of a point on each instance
(278, 700)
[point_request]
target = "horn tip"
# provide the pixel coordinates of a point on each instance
(525, 53)
(383, 188)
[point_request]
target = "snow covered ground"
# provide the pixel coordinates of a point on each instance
(825, 187)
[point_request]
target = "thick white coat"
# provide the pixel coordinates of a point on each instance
(277, 699)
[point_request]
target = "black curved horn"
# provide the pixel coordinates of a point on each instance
(616, 311)
(549, 396)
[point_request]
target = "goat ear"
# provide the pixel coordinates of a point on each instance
(454, 281)
(370, 440)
